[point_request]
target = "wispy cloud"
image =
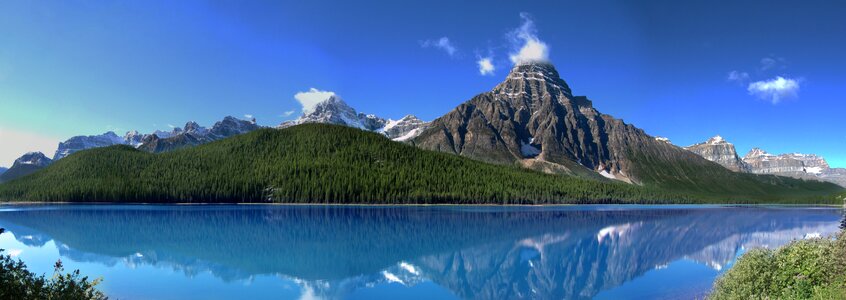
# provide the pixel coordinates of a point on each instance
(738, 76)
(288, 113)
(486, 66)
(248, 116)
(171, 126)
(528, 47)
(442, 43)
(775, 90)
(772, 63)
(311, 98)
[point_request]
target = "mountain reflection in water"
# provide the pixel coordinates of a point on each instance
(473, 252)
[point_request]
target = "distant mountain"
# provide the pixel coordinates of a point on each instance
(403, 129)
(720, 151)
(25, 165)
(192, 134)
(82, 142)
(3, 170)
(335, 111)
(758, 161)
(797, 165)
(532, 119)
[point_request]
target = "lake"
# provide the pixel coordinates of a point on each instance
(405, 252)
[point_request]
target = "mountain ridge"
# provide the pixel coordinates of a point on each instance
(759, 161)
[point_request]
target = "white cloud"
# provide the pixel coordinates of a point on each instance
(288, 113)
(171, 126)
(442, 43)
(311, 98)
(738, 76)
(486, 66)
(775, 90)
(525, 40)
(248, 116)
(18, 142)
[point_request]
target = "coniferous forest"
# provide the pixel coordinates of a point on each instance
(318, 163)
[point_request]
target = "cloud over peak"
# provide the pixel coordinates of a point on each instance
(442, 43)
(311, 98)
(528, 47)
(775, 90)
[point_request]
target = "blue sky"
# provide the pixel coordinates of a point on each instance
(85, 67)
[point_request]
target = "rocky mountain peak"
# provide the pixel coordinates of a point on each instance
(37, 159)
(404, 129)
(83, 142)
(334, 110)
(756, 153)
(716, 140)
(133, 138)
(193, 127)
(532, 77)
(720, 151)
(230, 126)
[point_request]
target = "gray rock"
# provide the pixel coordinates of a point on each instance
(720, 151)
(533, 119)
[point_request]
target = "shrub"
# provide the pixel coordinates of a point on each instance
(16, 282)
(805, 269)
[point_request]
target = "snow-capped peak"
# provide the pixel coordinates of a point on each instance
(33, 158)
(716, 140)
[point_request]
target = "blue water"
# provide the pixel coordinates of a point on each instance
(373, 252)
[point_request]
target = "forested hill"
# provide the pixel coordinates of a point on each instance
(318, 163)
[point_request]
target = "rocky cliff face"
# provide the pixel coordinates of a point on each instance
(720, 151)
(25, 165)
(533, 119)
(335, 111)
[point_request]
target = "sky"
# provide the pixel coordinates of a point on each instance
(765, 74)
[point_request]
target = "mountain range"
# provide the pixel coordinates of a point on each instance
(335, 111)
(758, 161)
(531, 120)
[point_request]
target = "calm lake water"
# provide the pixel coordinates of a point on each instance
(371, 252)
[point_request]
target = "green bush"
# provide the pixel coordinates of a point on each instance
(16, 282)
(805, 269)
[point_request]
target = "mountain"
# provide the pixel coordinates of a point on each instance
(403, 129)
(82, 142)
(335, 110)
(797, 165)
(3, 170)
(532, 119)
(336, 164)
(25, 165)
(192, 134)
(720, 151)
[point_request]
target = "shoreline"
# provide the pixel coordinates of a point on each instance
(420, 205)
